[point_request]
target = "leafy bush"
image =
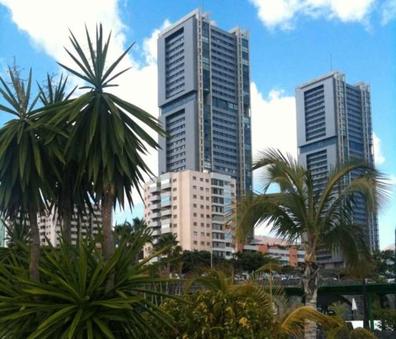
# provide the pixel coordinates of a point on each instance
(218, 308)
(75, 300)
(361, 333)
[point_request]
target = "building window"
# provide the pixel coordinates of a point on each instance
(174, 198)
(194, 214)
(195, 205)
(195, 242)
(174, 207)
(174, 189)
(201, 197)
(208, 234)
(202, 215)
(194, 196)
(194, 178)
(174, 180)
(200, 179)
(175, 216)
(201, 188)
(208, 243)
(195, 223)
(202, 224)
(202, 206)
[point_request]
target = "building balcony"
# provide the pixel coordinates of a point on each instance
(155, 206)
(155, 215)
(156, 232)
(166, 212)
(155, 198)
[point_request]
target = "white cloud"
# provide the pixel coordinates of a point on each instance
(379, 157)
(273, 125)
(273, 121)
(282, 13)
(50, 31)
(388, 11)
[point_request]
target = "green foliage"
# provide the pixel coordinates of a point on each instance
(107, 139)
(24, 158)
(220, 310)
(72, 299)
(362, 333)
(250, 261)
(387, 317)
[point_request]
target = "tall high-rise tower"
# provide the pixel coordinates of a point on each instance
(204, 99)
(334, 126)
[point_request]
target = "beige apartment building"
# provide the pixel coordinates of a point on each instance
(196, 207)
(50, 226)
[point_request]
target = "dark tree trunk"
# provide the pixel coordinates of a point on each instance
(34, 247)
(311, 282)
(107, 213)
(66, 221)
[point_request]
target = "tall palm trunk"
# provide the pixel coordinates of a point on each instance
(107, 213)
(34, 247)
(311, 282)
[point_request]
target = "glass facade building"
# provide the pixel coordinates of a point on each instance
(204, 99)
(334, 126)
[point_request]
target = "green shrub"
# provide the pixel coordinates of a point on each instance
(73, 298)
(362, 333)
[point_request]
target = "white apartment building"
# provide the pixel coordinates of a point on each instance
(196, 207)
(82, 225)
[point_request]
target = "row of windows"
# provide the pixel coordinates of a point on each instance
(169, 69)
(177, 61)
(224, 62)
(219, 86)
(216, 51)
(176, 156)
(174, 56)
(222, 67)
(228, 76)
(175, 90)
(220, 93)
(176, 128)
(173, 49)
(176, 149)
(171, 84)
(229, 83)
(175, 75)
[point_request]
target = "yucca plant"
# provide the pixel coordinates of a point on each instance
(107, 139)
(72, 299)
(25, 162)
(54, 95)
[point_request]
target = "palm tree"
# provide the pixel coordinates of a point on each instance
(107, 139)
(24, 161)
(319, 218)
(53, 94)
(168, 246)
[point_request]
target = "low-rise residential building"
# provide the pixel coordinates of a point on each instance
(286, 253)
(82, 225)
(196, 207)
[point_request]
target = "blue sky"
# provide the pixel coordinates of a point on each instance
(291, 42)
